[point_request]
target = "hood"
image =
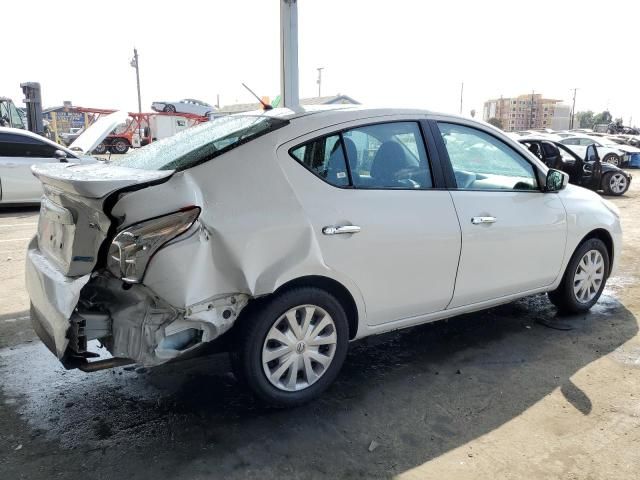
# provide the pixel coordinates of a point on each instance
(95, 180)
(627, 148)
(97, 132)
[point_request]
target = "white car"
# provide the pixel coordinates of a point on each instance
(284, 235)
(610, 151)
(20, 149)
(187, 105)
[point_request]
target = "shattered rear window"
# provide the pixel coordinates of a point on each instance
(198, 144)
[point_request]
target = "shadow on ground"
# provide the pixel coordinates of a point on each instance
(418, 393)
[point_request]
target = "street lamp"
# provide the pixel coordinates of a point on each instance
(134, 64)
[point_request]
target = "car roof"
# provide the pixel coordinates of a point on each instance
(27, 133)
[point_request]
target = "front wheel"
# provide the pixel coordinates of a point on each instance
(293, 347)
(584, 278)
(169, 108)
(120, 146)
(615, 183)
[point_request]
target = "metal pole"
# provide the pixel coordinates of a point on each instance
(573, 109)
(461, 92)
(289, 53)
(319, 81)
(135, 59)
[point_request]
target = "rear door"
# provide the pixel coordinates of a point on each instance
(380, 219)
(17, 154)
(513, 234)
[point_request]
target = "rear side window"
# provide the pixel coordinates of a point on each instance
(324, 157)
(380, 156)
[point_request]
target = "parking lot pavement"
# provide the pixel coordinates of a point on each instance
(512, 392)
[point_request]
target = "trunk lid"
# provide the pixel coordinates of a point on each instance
(73, 222)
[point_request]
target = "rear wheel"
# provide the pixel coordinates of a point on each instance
(615, 183)
(100, 149)
(293, 347)
(584, 278)
(120, 146)
(169, 109)
(612, 158)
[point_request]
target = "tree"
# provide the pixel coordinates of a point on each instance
(495, 122)
(604, 117)
(585, 119)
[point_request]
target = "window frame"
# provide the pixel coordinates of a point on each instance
(448, 166)
(433, 160)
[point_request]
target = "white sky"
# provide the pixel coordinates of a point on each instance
(397, 53)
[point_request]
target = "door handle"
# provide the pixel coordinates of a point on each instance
(479, 220)
(338, 229)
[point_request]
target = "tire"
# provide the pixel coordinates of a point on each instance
(297, 376)
(612, 158)
(100, 149)
(169, 109)
(569, 297)
(615, 183)
(119, 146)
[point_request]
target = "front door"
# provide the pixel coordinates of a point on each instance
(513, 234)
(379, 222)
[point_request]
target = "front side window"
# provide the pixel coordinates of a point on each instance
(324, 157)
(388, 155)
(482, 162)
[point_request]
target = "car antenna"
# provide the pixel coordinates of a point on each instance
(265, 106)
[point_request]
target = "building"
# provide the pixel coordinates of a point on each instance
(529, 111)
(247, 107)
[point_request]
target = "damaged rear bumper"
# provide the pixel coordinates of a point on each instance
(133, 323)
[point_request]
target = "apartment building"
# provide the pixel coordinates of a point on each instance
(529, 111)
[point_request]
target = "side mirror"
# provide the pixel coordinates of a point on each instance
(592, 154)
(556, 180)
(61, 156)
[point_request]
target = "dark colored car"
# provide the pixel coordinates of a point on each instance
(590, 172)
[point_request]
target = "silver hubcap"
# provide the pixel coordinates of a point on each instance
(589, 276)
(618, 183)
(613, 160)
(299, 348)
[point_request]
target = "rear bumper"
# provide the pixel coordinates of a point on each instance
(53, 299)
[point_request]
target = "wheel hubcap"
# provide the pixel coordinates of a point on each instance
(589, 276)
(299, 348)
(618, 183)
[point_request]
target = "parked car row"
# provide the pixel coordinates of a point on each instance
(618, 150)
(278, 234)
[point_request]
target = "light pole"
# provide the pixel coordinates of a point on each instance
(289, 53)
(134, 64)
(319, 81)
(461, 93)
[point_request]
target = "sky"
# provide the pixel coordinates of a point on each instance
(404, 53)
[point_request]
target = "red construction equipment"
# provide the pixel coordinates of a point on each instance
(141, 128)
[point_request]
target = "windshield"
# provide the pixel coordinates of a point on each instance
(198, 144)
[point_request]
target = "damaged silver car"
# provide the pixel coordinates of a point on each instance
(280, 236)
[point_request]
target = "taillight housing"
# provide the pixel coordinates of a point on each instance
(133, 247)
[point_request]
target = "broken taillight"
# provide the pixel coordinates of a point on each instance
(133, 247)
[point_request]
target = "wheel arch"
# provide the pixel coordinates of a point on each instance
(338, 290)
(605, 237)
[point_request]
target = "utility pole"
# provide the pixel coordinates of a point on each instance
(573, 109)
(319, 81)
(461, 92)
(289, 54)
(134, 64)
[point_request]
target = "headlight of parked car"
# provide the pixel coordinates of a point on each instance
(133, 248)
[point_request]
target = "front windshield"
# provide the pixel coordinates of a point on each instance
(198, 144)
